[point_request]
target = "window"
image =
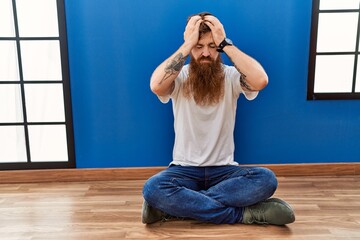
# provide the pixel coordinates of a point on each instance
(334, 71)
(35, 110)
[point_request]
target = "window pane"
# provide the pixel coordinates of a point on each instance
(8, 61)
(44, 103)
(10, 103)
(357, 84)
(12, 142)
(6, 19)
(37, 18)
(334, 73)
(48, 143)
(338, 4)
(337, 32)
(41, 60)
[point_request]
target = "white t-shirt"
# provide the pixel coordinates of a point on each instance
(204, 135)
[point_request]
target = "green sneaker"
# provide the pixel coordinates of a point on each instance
(271, 211)
(150, 214)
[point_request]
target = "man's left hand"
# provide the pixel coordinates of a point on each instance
(217, 29)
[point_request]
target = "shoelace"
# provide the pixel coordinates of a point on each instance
(258, 213)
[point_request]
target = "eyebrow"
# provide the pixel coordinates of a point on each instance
(212, 43)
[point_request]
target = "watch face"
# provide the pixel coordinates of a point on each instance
(228, 41)
(223, 44)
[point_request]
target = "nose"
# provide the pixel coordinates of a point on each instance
(205, 52)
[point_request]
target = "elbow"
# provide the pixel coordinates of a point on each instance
(262, 82)
(160, 88)
(155, 88)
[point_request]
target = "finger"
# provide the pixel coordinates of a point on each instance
(192, 30)
(214, 24)
(193, 26)
(217, 32)
(198, 22)
(193, 20)
(209, 24)
(212, 19)
(193, 23)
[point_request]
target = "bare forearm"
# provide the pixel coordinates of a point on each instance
(253, 76)
(162, 79)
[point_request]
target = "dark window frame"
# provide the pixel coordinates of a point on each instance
(70, 163)
(311, 95)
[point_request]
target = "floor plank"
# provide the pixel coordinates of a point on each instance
(326, 208)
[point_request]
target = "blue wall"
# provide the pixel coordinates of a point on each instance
(114, 46)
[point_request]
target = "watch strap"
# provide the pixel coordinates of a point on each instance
(223, 44)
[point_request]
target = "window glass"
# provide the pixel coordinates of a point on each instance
(357, 84)
(334, 73)
(37, 18)
(337, 32)
(10, 103)
(41, 60)
(12, 142)
(48, 143)
(338, 4)
(44, 102)
(9, 70)
(6, 19)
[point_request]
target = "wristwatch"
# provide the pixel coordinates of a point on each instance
(224, 43)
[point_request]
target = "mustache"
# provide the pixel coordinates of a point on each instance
(205, 58)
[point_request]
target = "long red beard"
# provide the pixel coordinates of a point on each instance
(206, 81)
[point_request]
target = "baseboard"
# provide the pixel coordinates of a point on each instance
(113, 174)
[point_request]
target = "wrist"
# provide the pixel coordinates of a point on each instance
(223, 44)
(186, 48)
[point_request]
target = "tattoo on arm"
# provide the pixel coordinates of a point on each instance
(243, 81)
(173, 66)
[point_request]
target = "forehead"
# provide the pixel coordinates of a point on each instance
(206, 39)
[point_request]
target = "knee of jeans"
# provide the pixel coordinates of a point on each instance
(152, 192)
(270, 179)
(148, 189)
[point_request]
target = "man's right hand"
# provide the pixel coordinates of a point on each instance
(191, 34)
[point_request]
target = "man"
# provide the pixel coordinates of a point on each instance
(203, 181)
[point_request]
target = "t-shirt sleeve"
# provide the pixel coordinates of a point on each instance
(234, 76)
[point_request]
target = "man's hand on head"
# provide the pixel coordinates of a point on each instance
(217, 29)
(191, 34)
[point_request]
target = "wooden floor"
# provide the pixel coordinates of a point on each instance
(326, 208)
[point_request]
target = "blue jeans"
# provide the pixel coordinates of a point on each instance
(210, 194)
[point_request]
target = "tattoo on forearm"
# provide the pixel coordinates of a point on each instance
(173, 66)
(243, 81)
